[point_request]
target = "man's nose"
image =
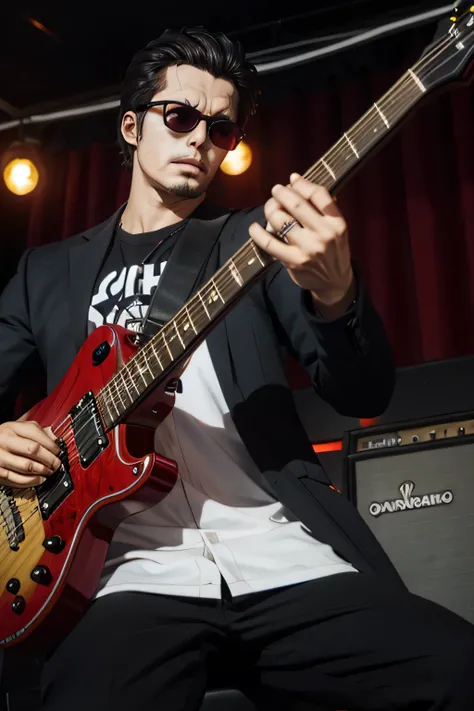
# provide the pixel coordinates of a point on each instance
(198, 135)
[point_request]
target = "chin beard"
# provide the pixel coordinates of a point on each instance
(184, 190)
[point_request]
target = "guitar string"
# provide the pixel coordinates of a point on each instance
(6, 543)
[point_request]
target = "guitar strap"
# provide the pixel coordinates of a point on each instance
(183, 271)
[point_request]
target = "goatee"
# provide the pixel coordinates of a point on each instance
(184, 190)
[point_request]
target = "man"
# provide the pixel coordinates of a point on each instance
(252, 552)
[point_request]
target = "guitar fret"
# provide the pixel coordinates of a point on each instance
(113, 399)
(125, 385)
(329, 169)
(107, 404)
(382, 116)
(178, 333)
(190, 319)
(257, 254)
(152, 344)
(118, 391)
(352, 146)
(173, 340)
(167, 346)
(132, 379)
(204, 305)
(147, 367)
(235, 273)
(140, 371)
(217, 291)
(417, 80)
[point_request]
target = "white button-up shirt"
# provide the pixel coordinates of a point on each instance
(219, 519)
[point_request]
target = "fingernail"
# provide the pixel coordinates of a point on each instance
(294, 176)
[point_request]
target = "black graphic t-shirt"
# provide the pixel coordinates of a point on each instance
(123, 290)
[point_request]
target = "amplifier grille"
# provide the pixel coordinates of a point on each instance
(420, 506)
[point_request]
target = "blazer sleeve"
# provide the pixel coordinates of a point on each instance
(17, 345)
(349, 359)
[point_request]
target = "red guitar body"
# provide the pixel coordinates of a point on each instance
(50, 572)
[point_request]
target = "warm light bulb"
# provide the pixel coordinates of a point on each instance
(237, 161)
(21, 176)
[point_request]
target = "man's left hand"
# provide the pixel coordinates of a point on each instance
(316, 251)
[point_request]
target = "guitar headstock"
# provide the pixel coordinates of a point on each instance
(449, 58)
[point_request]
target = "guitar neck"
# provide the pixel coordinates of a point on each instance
(360, 140)
(180, 336)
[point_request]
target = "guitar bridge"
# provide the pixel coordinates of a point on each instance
(57, 486)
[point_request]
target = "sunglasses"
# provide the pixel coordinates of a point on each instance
(183, 118)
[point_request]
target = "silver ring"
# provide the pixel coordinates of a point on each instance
(286, 227)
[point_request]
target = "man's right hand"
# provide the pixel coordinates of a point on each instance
(27, 454)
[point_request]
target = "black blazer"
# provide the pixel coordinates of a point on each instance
(43, 311)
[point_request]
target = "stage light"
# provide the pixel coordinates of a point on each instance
(21, 176)
(238, 161)
(21, 167)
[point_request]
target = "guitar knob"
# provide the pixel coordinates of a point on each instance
(18, 605)
(41, 575)
(54, 544)
(13, 586)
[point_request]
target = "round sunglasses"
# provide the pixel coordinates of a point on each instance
(183, 118)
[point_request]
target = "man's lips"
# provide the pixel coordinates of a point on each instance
(192, 162)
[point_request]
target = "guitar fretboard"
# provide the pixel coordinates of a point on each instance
(374, 125)
(167, 347)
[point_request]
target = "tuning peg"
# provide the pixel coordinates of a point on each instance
(460, 8)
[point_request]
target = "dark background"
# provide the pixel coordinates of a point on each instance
(409, 209)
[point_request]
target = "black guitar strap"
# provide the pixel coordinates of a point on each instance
(183, 271)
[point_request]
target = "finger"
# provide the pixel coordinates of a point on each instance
(286, 253)
(32, 430)
(29, 449)
(23, 465)
(302, 237)
(296, 205)
(268, 208)
(51, 434)
(9, 478)
(318, 195)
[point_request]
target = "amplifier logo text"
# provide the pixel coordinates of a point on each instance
(408, 501)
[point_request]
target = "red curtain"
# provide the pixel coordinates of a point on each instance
(410, 209)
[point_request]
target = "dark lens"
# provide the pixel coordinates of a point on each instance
(225, 134)
(181, 118)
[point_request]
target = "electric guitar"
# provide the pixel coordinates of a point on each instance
(53, 542)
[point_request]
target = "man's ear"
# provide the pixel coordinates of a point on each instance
(129, 128)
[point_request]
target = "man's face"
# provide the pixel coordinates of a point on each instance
(160, 151)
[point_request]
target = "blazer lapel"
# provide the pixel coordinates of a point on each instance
(85, 262)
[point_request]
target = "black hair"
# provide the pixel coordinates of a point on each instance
(212, 52)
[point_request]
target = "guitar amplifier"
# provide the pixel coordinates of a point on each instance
(413, 484)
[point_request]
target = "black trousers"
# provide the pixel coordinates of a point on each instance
(348, 641)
